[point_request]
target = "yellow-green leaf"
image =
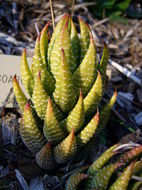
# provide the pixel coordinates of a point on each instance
(84, 76)
(19, 94)
(52, 130)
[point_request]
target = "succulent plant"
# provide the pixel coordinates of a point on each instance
(106, 174)
(65, 84)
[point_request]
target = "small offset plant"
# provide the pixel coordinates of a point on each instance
(112, 175)
(65, 83)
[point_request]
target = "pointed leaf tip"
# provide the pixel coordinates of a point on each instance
(48, 145)
(15, 79)
(49, 105)
(38, 38)
(24, 51)
(27, 106)
(47, 25)
(105, 45)
(81, 94)
(115, 93)
(72, 134)
(97, 116)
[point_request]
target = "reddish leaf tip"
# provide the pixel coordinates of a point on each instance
(105, 44)
(97, 116)
(24, 51)
(72, 133)
(49, 105)
(27, 106)
(81, 94)
(38, 38)
(14, 78)
(99, 74)
(115, 93)
(48, 145)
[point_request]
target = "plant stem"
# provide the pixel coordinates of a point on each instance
(52, 14)
(73, 4)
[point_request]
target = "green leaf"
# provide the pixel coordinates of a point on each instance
(40, 99)
(38, 65)
(75, 42)
(103, 63)
(19, 94)
(106, 111)
(123, 5)
(44, 43)
(74, 180)
(100, 162)
(26, 74)
(123, 180)
(88, 132)
(52, 130)
(64, 94)
(66, 149)
(94, 96)
(56, 34)
(85, 75)
(84, 39)
(101, 179)
(45, 159)
(76, 117)
(29, 131)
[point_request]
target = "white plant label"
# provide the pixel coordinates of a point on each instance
(9, 66)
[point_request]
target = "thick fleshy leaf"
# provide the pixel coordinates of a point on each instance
(74, 180)
(26, 74)
(123, 180)
(106, 111)
(130, 155)
(76, 117)
(56, 33)
(29, 131)
(102, 178)
(100, 162)
(103, 63)
(66, 149)
(85, 36)
(19, 94)
(45, 159)
(94, 96)
(88, 132)
(52, 130)
(44, 43)
(64, 95)
(75, 42)
(38, 65)
(137, 167)
(40, 99)
(84, 76)
(65, 43)
(54, 51)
